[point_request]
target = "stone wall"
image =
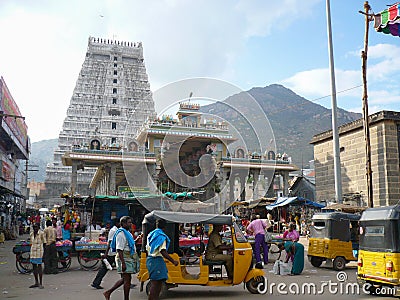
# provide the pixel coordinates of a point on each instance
(384, 163)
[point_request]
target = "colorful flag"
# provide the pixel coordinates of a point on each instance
(388, 21)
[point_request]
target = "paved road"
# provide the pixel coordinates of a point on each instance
(74, 284)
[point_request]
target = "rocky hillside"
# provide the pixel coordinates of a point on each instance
(294, 119)
(41, 155)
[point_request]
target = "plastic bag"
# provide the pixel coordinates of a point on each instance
(275, 268)
(285, 268)
(282, 268)
(267, 236)
(108, 265)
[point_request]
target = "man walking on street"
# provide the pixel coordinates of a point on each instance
(109, 255)
(50, 251)
(124, 244)
(257, 227)
(157, 246)
(36, 254)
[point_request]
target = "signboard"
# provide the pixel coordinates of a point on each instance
(129, 192)
(9, 107)
(6, 171)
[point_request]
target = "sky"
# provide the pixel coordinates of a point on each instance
(248, 43)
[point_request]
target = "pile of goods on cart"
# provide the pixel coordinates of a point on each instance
(22, 246)
(64, 245)
(88, 244)
(90, 252)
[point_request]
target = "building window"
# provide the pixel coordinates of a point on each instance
(113, 140)
(114, 90)
(115, 72)
(114, 80)
(113, 125)
(114, 101)
(115, 58)
(115, 65)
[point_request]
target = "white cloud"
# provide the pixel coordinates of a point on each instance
(264, 16)
(383, 77)
(383, 97)
(317, 82)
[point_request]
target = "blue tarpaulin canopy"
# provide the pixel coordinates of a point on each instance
(283, 201)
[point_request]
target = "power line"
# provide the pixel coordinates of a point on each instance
(313, 101)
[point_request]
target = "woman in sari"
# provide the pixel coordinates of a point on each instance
(296, 250)
(291, 233)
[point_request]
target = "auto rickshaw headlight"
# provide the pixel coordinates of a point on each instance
(360, 262)
(389, 266)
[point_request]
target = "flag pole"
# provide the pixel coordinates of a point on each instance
(335, 134)
(365, 109)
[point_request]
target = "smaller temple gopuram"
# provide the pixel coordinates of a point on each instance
(186, 154)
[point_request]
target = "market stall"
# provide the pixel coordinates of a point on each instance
(297, 210)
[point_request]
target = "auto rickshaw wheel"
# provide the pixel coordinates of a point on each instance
(163, 291)
(339, 263)
(316, 261)
(252, 285)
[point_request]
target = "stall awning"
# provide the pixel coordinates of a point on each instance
(247, 203)
(283, 201)
(190, 205)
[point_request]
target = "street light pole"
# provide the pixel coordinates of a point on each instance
(335, 134)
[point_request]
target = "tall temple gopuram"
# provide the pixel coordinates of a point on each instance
(112, 89)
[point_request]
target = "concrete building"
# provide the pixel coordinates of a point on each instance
(35, 189)
(14, 153)
(385, 151)
(112, 93)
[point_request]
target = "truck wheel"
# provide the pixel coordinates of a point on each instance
(339, 263)
(316, 261)
(252, 285)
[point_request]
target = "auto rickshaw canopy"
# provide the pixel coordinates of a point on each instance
(185, 217)
(337, 216)
(334, 225)
(381, 213)
(380, 229)
(174, 219)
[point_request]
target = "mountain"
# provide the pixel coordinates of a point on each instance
(294, 119)
(41, 154)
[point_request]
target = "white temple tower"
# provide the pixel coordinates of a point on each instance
(112, 88)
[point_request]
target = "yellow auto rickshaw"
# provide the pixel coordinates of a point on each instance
(333, 236)
(379, 254)
(200, 271)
